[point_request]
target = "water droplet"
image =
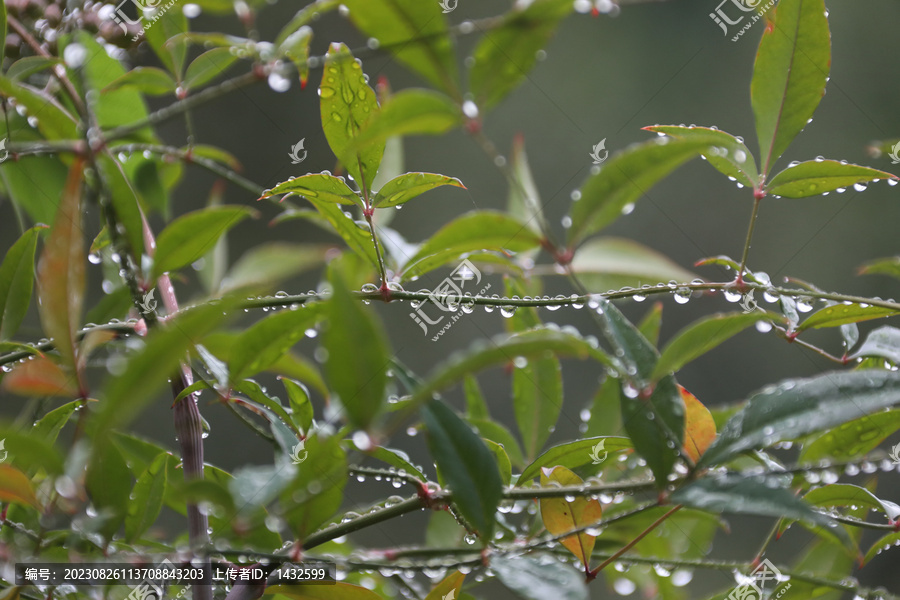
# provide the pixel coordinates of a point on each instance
(763, 326)
(191, 11)
(279, 83)
(859, 187)
(567, 221)
(74, 55)
(508, 311)
(732, 296)
(624, 587)
(470, 109)
(628, 208)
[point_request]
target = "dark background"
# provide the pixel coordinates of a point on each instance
(661, 62)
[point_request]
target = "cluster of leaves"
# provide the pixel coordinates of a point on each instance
(677, 468)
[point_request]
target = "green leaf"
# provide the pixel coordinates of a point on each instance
(815, 177)
(789, 75)
(17, 282)
(476, 407)
(504, 466)
(491, 430)
(798, 407)
(167, 41)
(701, 336)
(347, 104)
(296, 48)
(358, 353)
(60, 273)
(414, 32)
(524, 200)
(271, 408)
(883, 342)
(146, 498)
(540, 577)
(537, 401)
(505, 55)
(730, 156)
(147, 80)
(473, 231)
(843, 314)
(753, 495)
(316, 491)
(610, 263)
(575, 454)
(207, 67)
(108, 483)
(467, 465)
(320, 186)
(626, 177)
(887, 542)
(191, 236)
(266, 264)
(3, 36)
(23, 68)
(49, 426)
(125, 202)
(651, 324)
(853, 439)
(883, 266)
(358, 238)
(404, 188)
(399, 459)
(55, 123)
(412, 112)
(261, 345)
(844, 494)
(301, 407)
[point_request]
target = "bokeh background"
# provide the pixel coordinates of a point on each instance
(663, 62)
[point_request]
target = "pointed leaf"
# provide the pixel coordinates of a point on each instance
(347, 104)
(296, 48)
(60, 274)
(466, 464)
(316, 491)
(700, 337)
(843, 314)
(537, 401)
(17, 282)
(207, 67)
(51, 424)
(412, 112)
(147, 80)
(269, 263)
(414, 32)
(883, 342)
(801, 406)
(16, 487)
(404, 188)
(730, 157)
(789, 75)
(559, 515)
(815, 177)
(146, 498)
(399, 459)
(610, 263)
(191, 236)
(651, 324)
(852, 439)
(491, 430)
(55, 122)
(40, 377)
(358, 238)
(262, 344)
(358, 353)
(884, 544)
(327, 188)
(524, 200)
(108, 483)
(167, 41)
(540, 577)
(448, 588)
(575, 454)
(301, 407)
(844, 494)
(476, 407)
(884, 266)
(125, 202)
(699, 426)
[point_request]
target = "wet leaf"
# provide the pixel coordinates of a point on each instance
(883, 342)
(448, 588)
(736, 161)
(412, 112)
(404, 188)
(347, 104)
(358, 239)
(306, 15)
(540, 577)
(626, 177)
(146, 498)
(843, 314)
(537, 401)
(296, 48)
(108, 483)
(502, 458)
(191, 236)
(17, 282)
(60, 273)
(316, 491)
(207, 67)
(264, 265)
(16, 487)
(699, 426)
(845, 494)
(700, 337)
(815, 177)
(262, 344)
(610, 263)
(471, 232)
(414, 32)
(789, 75)
(301, 407)
(147, 80)
(125, 202)
(797, 407)
(854, 438)
(321, 186)
(358, 353)
(652, 323)
(466, 464)
(49, 426)
(398, 459)
(505, 55)
(524, 199)
(40, 377)
(559, 515)
(55, 123)
(167, 41)
(884, 544)
(592, 450)
(24, 68)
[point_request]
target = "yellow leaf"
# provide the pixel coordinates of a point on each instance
(448, 588)
(16, 487)
(560, 515)
(699, 426)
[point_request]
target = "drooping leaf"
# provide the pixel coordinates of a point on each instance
(347, 104)
(358, 238)
(404, 188)
(271, 409)
(504, 465)
(815, 177)
(854, 438)
(23, 68)
(414, 32)
(473, 231)
(611, 263)
(540, 577)
(207, 67)
(467, 465)
(801, 406)
(301, 407)
(505, 55)
(358, 353)
(883, 266)
(40, 377)
(17, 282)
(883, 342)
(321, 186)
(125, 202)
(262, 344)
(625, 178)
(266, 264)
(843, 314)
(108, 483)
(146, 498)
(411, 112)
(147, 80)
(60, 274)
(559, 515)
(524, 199)
(191, 236)
(700, 337)
(699, 426)
(448, 587)
(537, 401)
(16, 487)
(789, 75)
(168, 42)
(731, 157)
(296, 48)
(845, 494)
(575, 454)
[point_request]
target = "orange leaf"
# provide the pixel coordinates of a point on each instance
(16, 487)
(699, 426)
(448, 588)
(40, 377)
(560, 515)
